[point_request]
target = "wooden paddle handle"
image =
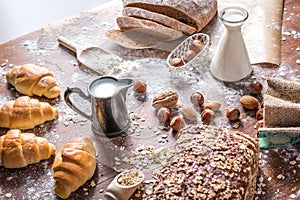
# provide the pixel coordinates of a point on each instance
(68, 44)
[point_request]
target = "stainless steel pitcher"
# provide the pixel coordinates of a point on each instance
(107, 96)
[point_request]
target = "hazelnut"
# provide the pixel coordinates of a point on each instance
(207, 116)
(213, 105)
(196, 46)
(177, 123)
(140, 86)
(176, 62)
(260, 124)
(249, 102)
(233, 114)
(255, 87)
(259, 114)
(189, 55)
(197, 99)
(163, 115)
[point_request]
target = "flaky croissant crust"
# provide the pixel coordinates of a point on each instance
(21, 149)
(74, 164)
(30, 79)
(25, 113)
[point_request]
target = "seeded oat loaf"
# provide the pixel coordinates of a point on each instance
(159, 18)
(209, 163)
(148, 27)
(196, 13)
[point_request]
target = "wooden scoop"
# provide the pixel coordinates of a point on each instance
(94, 58)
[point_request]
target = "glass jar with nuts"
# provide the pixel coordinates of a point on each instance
(191, 56)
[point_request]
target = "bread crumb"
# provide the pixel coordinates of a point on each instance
(294, 162)
(8, 195)
(93, 184)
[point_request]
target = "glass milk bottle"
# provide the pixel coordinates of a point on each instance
(231, 60)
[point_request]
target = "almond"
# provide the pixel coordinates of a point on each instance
(249, 102)
(213, 105)
(189, 113)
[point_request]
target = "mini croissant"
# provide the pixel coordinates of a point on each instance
(74, 164)
(25, 113)
(30, 79)
(21, 149)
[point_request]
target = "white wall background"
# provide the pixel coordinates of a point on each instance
(19, 17)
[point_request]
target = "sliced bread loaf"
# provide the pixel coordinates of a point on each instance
(196, 13)
(159, 18)
(148, 27)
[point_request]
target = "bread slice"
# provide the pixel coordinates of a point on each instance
(159, 18)
(148, 27)
(194, 13)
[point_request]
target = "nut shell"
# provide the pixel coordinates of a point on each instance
(189, 113)
(163, 115)
(189, 55)
(176, 62)
(233, 114)
(197, 99)
(255, 87)
(196, 46)
(140, 86)
(177, 123)
(249, 102)
(166, 99)
(207, 116)
(259, 114)
(213, 105)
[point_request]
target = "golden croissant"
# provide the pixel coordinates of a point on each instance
(25, 113)
(21, 149)
(74, 164)
(30, 79)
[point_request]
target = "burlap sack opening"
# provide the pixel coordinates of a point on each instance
(283, 89)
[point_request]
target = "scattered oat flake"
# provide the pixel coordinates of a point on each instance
(101, 190)
(148, 192)
(3, 64)
(8, 195)
(93, 184)
(294, 162)
(270, 179)
(298, 61)
(283, 38)
(164, 136)
(122, 148)
(137, 195)
(298, 49)
(280, 176)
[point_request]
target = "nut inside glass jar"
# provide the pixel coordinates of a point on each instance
(191, 55)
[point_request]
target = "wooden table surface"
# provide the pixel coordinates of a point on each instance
(279, 175)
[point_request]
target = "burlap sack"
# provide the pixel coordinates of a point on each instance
(280, 113)
(283, 89)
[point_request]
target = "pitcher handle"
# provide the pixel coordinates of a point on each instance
(71, 90)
